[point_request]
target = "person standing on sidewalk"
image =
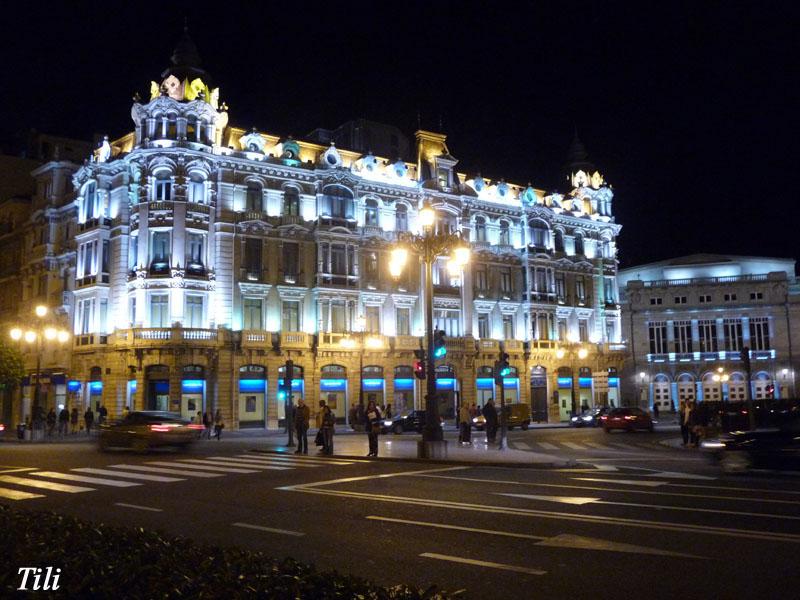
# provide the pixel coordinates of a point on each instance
(326, 423)
(372, 423)
(302, 415)
(102, 413)
(465, 424)
(683, 420)
(88, 420)
(51, 422)
(73, 420)
(219, 424)
(63, 420)
(207, 423)
(490, 414)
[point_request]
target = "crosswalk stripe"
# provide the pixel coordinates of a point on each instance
(260, 467)
(259, 461)
(303, 457)
(18, 494)
(573, 446)
(142, 476)
(597, 446)
(182, 473)
(522, 445)
(548, 446)
(84, 479)
(162, 463)
(620, 446)
(44, 485)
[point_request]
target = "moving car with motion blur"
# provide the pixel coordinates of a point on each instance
(413, 421)
(142, 430)
(517, 415)
(627, 419)
(589, 418)
(775, 447)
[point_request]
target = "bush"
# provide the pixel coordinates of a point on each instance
(101, 561)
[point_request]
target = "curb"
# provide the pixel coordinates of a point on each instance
(438, 461)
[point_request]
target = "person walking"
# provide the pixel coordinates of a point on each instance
(353, 416)
(63, 420)
(198, 420)
(73, 420)
(88, 420)
(693, 422)
(219, 424)
(125, 412)
(388, 412)
(102, 413)
(207, 422)
(655, 410)
(302, 415)
(683, 419)
(465, 424)
(372, 423)
(326, 423)
(490, 414)
(51, 422)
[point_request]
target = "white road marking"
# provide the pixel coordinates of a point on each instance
(184, 465)
(482, 563)
(138, 507)
(270, 529)
(674, 475)
(574, 446)
(642, 482)
(226, 463)
(458, 528)
(182, 473)
(579, 500)
(683, 528)
(625, 491)
(579, 542)
(547, 445)
(303, 457)
(84, 479)
(141, 476)
(18, 494)
(598, 446)
(45, 485)
(522, 446)
(261, 461)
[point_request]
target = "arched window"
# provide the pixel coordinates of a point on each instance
(401, 218)
(191, 128)
(559, 240)
(505, 234)
(172, 127)
(90, 201)
(540, 234)
(253, 197)
(196, 191)
(337, 202)
(163, 189)
(291, 202)
(371, 213)
(579, 249)
(445, 223)
(480, 229)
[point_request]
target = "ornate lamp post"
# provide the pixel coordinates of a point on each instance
(429, 245)
(40, 334)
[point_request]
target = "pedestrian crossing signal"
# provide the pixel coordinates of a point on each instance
(439, 349)
(419, 369)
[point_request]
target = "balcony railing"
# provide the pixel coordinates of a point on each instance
(92, 223)
(406, 342)
(705, 280)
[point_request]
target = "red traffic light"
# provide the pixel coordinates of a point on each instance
(419, 369)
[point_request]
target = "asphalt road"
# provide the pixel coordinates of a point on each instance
(630, 521)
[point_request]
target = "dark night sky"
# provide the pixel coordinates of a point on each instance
(685, 108)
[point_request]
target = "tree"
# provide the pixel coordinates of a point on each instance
(12, 367)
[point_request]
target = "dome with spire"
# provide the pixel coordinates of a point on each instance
(185, 79)
(580, 171)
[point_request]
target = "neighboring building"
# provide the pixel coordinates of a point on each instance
(686, 321)
(194, 258)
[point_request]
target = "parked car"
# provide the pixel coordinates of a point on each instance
(413, 421)
(589, 418)
(772, 447)
(627, 419)
(142, 430)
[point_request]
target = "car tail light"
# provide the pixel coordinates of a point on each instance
(196, 426)
(161, 427)
(630, 417)
(604, 418)
(2, 427)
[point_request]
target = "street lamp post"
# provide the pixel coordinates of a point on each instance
(429, 245)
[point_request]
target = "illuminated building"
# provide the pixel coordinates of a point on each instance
(687, 319)
(203, 256)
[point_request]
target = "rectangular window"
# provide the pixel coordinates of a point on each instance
(756, 295)
(197, 192)
(403, 321)
(252, 258)
(481, 277)
(508, 327)
(85, 315)
(290, 315)
(444, 177)
(657, 333)
(680, 299)
(371, 266)
(656, 301)
(505, 280)
(608, 289)
(159, 310)
(583, 330)
(195, 243)
(338, 260)
(704, 298)
(733, 334)
(541, 281)
(561, 287)
(708, 335)
(291, 260)
(542, 326)
(580, 289)
(730, 297)
(401, 219)
(333, 317)
(105, 257)
(160, 251)
(163, 189)
(563, 330)
(447, 321)
(759, 333)
(133, 252)
(372, 319)
(483, 327)
(252, 313)
(132, 311)
(194, 311)
(683, 336)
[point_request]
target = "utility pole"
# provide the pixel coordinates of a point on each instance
(501, 369)
(288, 375)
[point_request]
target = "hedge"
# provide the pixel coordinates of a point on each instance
(103, 561)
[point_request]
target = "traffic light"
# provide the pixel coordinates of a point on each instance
(419, 364)
(288, 374)
(439, 349)
(501, 368)
(770, 389)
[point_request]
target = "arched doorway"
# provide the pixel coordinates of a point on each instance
(484, 384)
(373, 385)
(95, 388)
(252, 396)
(333, 389)
(539, 393)
(687, 391)
(157, 386)
(403, 389)
(736, 388)
(661, 393)
(193, 388)
(585, 382)
(447, 388)
(762, 384)
(564, 393)
(298, 390)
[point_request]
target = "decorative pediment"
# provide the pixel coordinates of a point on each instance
(484, 306)
(508, 308)
(373, 298)
(404, 300)
(292, 293)
(254, 289)
(442, 302)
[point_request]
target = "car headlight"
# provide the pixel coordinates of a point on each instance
(387, 423)
(588, 418)
(574, 419)
(712, 444)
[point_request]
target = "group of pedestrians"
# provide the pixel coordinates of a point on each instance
(326, 425)
(466, 415)
(693, 421)
(65, 422)
(210, 423)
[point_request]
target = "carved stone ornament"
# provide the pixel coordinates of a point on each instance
(331, 158)
(252, 142)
